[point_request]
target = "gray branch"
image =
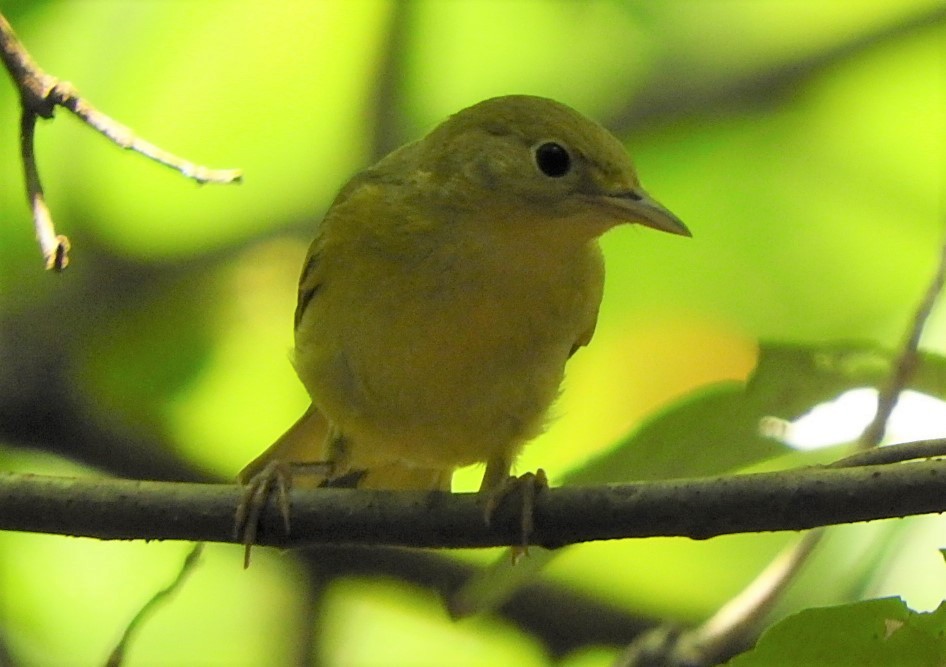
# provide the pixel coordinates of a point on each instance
(696, 508)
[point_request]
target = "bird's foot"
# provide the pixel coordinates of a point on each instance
(525, 488)
(275, 475)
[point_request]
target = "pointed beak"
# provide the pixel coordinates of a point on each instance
(636, 206)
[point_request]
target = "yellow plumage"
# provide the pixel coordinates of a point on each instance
(446, 288)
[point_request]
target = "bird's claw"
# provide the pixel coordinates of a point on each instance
(253, 500)
(276, 474)
(526, 487)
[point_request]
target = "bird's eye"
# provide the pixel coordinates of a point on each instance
(553, 160)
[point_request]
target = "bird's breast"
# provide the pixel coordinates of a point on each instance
(447, 359)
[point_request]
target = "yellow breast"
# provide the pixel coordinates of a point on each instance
(447, 353)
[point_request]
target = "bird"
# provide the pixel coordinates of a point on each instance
(444, 291)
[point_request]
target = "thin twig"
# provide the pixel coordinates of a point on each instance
(40, 94)
(31, 81)
(55, 247)
(190, 561)
(731, 628)
(738, 621)
(907, 451)
(906, 361)
(64, 95)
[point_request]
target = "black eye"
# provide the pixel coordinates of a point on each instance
(553, 160)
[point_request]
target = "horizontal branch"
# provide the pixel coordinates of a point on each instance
(695, 508)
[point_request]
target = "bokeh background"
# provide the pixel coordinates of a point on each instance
(802, 142)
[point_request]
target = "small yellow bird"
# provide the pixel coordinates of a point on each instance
(445, 290)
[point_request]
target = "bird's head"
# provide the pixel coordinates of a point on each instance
(533, 159)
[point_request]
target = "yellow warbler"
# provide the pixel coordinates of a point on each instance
(446, 288)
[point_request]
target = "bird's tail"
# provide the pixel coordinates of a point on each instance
(304, 442)
(301, 443)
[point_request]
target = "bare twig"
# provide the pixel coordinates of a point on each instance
(117, 656)
(907, 451)
(55, 247)
(64, 95)
(906, 360)
(737, 622)
(738, 619)
(40, 94)
(32, 82)
(730, 630)
(732, 627)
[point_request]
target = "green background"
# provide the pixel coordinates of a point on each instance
(803, 143)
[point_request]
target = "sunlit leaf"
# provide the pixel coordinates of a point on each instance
(875, 632)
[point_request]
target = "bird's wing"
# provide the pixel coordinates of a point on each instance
(584, 338)
(310, 280)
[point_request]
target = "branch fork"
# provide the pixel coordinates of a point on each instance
(40, 94)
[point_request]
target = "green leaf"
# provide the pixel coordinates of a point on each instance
(874, 632)
(717, 429)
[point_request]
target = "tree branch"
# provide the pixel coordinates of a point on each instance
(40, 94)
(562, 618)
(387, 114)
(695, 508)
(673, 92)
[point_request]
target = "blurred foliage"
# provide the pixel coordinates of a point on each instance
(718, 428)
(875, 632)
(802, 142)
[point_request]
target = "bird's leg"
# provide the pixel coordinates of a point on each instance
(271, 471)
(498, 484)
(339, 453)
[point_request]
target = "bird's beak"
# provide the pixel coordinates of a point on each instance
(639, 207)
